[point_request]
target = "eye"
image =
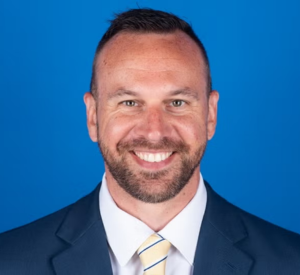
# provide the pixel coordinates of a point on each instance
(177, 103)
(129, 103)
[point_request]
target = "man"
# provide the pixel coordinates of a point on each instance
(151, 109)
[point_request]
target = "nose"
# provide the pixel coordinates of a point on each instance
(153, 125)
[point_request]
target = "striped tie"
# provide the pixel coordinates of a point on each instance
(153, 254)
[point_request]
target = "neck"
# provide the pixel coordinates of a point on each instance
(155, 215)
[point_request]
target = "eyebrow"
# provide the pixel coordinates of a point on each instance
(185, 92)
(122, 92)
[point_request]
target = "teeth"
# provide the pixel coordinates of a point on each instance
(151, 158)
(157, 157)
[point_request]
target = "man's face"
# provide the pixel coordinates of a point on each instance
(152, 116)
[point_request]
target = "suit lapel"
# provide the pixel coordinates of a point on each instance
(217, 249)
(83, 232)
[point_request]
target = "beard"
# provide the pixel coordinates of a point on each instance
(152, 186)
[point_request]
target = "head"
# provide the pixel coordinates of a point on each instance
(151, 107)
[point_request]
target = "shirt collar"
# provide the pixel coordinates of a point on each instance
(183, 230)
(126, 233)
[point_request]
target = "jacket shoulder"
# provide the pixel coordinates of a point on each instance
(37, 237)
(276, 239)
(272, 247)
(30, 249)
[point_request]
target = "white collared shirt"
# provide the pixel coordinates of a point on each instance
(126, 233)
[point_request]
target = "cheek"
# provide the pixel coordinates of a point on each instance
(192, 129)
(114, 128)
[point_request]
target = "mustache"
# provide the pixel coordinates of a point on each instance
(165, 143)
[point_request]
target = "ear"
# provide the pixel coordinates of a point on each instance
(91, 114)
(212, 114)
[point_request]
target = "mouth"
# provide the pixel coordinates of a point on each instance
(153, 160)
(153, 157)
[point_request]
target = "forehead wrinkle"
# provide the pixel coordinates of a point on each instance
(147, 64)
(152, 66)
(148, 70)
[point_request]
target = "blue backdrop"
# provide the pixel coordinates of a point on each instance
(46, 158)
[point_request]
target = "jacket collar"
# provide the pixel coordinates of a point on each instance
(217, 249)
(83, 232)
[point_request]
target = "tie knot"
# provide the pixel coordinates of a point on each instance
(153, 254)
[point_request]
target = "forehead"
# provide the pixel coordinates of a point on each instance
(151, 53)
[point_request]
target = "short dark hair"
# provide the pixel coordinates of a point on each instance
(148, 21)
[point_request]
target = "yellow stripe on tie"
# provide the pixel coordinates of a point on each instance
(153, 254)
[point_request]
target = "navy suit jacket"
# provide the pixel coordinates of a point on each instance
(72, 241)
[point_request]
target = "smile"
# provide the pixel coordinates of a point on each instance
(153, 157)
